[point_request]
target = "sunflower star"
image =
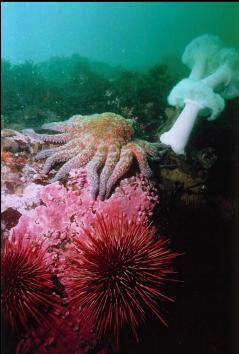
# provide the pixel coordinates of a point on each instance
(101, 142)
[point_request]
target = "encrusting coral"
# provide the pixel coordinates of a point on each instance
(73, 202)
(101, 142)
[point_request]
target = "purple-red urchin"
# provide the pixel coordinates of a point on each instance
(116, 277)
(26, 283)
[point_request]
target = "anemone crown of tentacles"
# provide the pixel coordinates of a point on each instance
(101, 142)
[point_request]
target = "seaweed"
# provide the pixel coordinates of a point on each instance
(36, 93)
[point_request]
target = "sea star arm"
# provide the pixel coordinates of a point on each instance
(93, 167)
(110, 163)
(141, 157)
(60, 156)
(150, 148)
(75, 162)
(154, 150)
(69, 126)
(48, 152)
(56, 138)
(122, 166)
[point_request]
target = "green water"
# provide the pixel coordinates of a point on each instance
(65, 58)
(130, 34)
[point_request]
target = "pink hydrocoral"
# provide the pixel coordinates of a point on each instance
(68, 208)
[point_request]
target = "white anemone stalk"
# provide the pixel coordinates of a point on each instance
(177, 137)
(197, 98)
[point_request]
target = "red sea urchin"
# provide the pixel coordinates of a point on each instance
(26, 283)
(116, 276)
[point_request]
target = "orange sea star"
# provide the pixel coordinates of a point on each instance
(101, 142)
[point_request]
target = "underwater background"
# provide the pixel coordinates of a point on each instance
(61, 59)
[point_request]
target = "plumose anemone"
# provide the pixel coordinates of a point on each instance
(214, 77)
